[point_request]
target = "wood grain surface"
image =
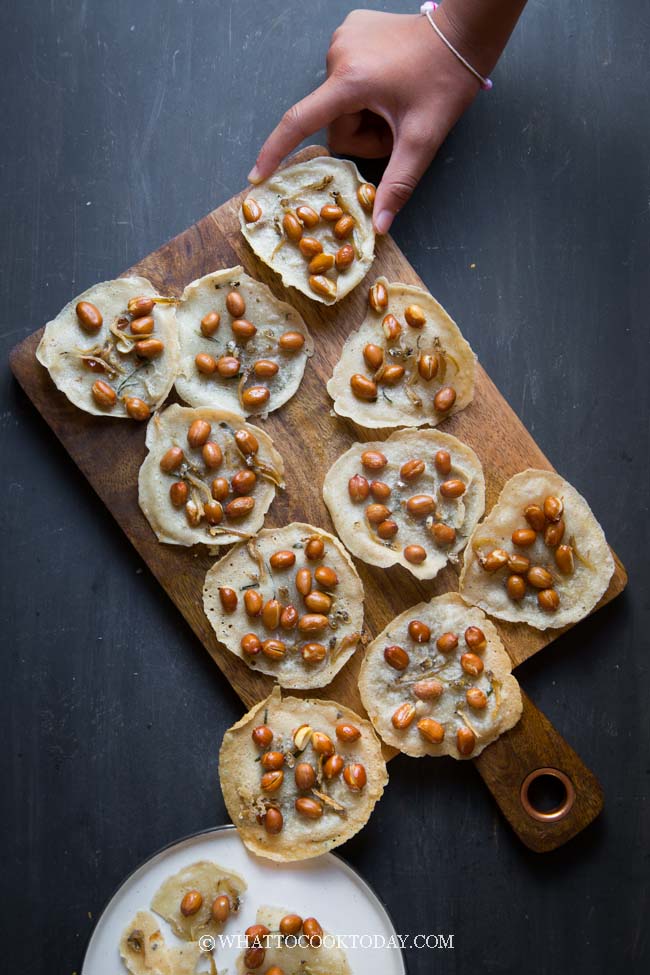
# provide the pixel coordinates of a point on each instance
(109, 453)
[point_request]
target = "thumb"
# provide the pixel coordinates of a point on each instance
(412, 153)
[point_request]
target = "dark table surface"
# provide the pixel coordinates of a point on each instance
(122, 124)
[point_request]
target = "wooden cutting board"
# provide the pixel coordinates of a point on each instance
(109, 453)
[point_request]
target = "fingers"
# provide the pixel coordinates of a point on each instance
(304, 118)
(411, 156)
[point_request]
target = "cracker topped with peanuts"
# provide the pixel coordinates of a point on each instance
(200, 899)
(406, 365)
(113, 350)
(209, 476)
(312, 224)
(411, 500)
(145, 951)
(540, 557)
(289, 603)
(241, 348)
(300, 777)
(437, 681)
(284, 943)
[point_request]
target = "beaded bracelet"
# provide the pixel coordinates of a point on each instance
(427, 9)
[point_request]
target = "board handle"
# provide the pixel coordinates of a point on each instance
(511, 764)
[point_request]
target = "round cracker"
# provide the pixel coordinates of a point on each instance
(247, 566)
(271, 317)
(211, 880)
(289, 955)
(395, 406)
(403, 445)
(64, 339)
(383, 689)
(321, 181)
(593, 559)
(239, 772)
(170, 428)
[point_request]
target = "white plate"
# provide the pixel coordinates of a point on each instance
(325, 887)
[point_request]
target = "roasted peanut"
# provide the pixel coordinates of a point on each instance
(321, 263)
(373, 460)
(412, 469)
(443, 535)
(235, 304)
(191, 903)
(454, 488)
(564, 559)
(431, 730)
(210, 323)
(290, 924)
(228, 599)
(228, 366)
(253, 602)
(344, 226)
(171, 459)
(243, 329)
(240, 507)
(524, 537)
(476, 698)
(251, 210)
(539, 577)
(273, 822)
(322, 743)
(376, 513)
(444, 399)
(415, 554)
(307, 216)
(471, 664)
(378, 296)
(373, 356)
(516, 587)
(193, 513)
(291, 341)
(403, 716)
(318, 602)
(137, 408)
(554, 533)
(518, 564)
(391, 328)
(289, 618)
(310, 808)
(251, 644)
(314, 549)
(142, 326)
(344, 257)
(548, 599)
(283, 559)
(254, 397)
(428, 365)
(347, 732)
(387, 529)
(149, 348)
(212, 455)
(420, 505)
(396, 657)
(309, 247)
(535, 517)
(333, 766)
(326, 576)
(272, 761)
(304, 775)
(419, 632)
(220, 909)
(331, 212)
(271, 781)
(553, 508)
(244, 481)
(205, 363)
(313, 931)
(415, 317)
(465, 741)
(429, 689)
(213, 512)
(256, 934)
(475, 638)
(198, 433)
(89, 316)
(312, 623)
(366, 196)
(358, 488)
(178, 493)
(380, 491)
(219, 489)
(103, 394)
(271, 614)
(262, 736)
(392, 375)
(495, 560)
(247, 442)
(362, 387)
(322, 286)
(355, 777)
(140, 307)
(447, 642)
(313, 653)
(303, 581)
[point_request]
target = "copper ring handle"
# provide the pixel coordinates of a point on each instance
(553, 815)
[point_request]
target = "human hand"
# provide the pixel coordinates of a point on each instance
(393, 88)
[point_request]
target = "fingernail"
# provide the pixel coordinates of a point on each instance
(383, 221)
(254, 175)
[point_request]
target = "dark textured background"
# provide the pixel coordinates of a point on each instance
(124, 122)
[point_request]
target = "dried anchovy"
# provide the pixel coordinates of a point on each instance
(215, 530)
(461, 714)
(346, 642)
(258, 558)
(332, 803)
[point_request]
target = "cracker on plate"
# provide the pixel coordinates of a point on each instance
(301, 950)
(186, 899)
(144, 951)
